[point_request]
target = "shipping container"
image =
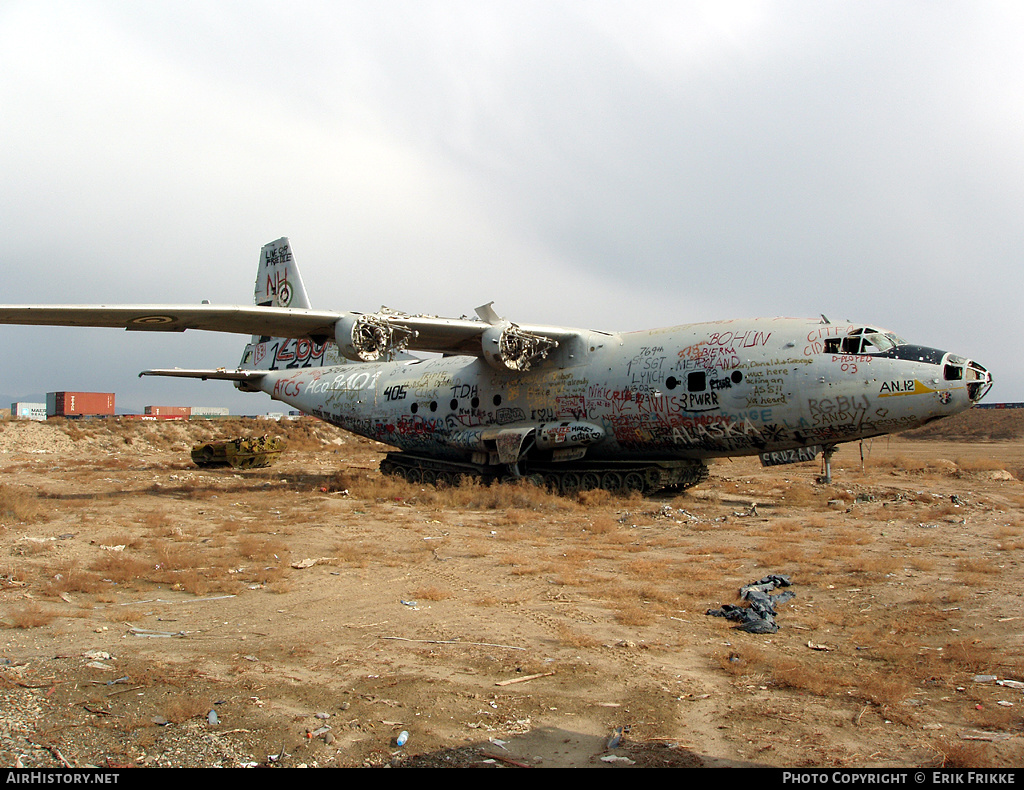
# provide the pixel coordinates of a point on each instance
(79, 404)
(28, 411)
(210, 411)
(169, 411)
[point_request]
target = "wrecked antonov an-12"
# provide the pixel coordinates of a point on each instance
(576, 408)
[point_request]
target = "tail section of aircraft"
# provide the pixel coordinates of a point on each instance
(279, 284)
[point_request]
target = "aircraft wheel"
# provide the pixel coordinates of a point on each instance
(633, 481)
(444, 479)
(429, 476)
(388, 468)
(652, 477)
(590, 481)
(551, 483)
(414, 475)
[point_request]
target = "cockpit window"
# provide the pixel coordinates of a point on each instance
(863, 340)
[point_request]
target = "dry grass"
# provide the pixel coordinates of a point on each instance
(956, 754)
(179, 708)
(971, 567)
(30, 615)
(573, 637)
(633, 615)
(432, 593)
(803, 495)
(125, 614)
(358, 554)
(157, 521)
(263, 549)
(876, 565)
(468, 494)
(122, 569)
(20, 505)
(603, 524)
(68, 577)
(980, 464)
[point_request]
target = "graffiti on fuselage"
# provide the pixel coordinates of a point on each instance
(815, 342)
(770, 382)
(288, 353)
(729, 391)
(340, 386)
(334, 394)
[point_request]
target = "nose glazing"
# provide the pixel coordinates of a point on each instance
(979, 381)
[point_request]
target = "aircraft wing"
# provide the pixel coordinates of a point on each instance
(245, 380)
(220, 374)
(251, 320)
(360, 336)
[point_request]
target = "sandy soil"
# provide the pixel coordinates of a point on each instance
(320, 611)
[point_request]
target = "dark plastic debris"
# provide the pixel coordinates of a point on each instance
(759, 616)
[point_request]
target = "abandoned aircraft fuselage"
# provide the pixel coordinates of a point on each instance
(689, 392)
(578, 408)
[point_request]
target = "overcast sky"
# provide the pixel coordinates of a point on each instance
(610, 165)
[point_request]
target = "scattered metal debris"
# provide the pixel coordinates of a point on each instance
(149, 633)
(523, 679)
(982, 735)
(759, 617)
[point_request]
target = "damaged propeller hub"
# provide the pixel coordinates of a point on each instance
(507, 347)
(370, 337)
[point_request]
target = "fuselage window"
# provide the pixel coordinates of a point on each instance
(863, 341)
(851, 345)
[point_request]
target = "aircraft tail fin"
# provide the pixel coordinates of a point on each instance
(279, 284)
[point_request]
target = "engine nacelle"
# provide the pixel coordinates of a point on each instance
(369, 337)
(506, 347)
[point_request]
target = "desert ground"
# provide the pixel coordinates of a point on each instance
(153, 613)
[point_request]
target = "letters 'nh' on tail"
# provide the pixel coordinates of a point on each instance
(279, 284)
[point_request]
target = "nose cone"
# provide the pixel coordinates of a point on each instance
(979, 381)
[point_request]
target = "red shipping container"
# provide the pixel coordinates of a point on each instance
(169, 411)
(79, 404)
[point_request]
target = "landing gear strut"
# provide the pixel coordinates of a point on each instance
(826, 457)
